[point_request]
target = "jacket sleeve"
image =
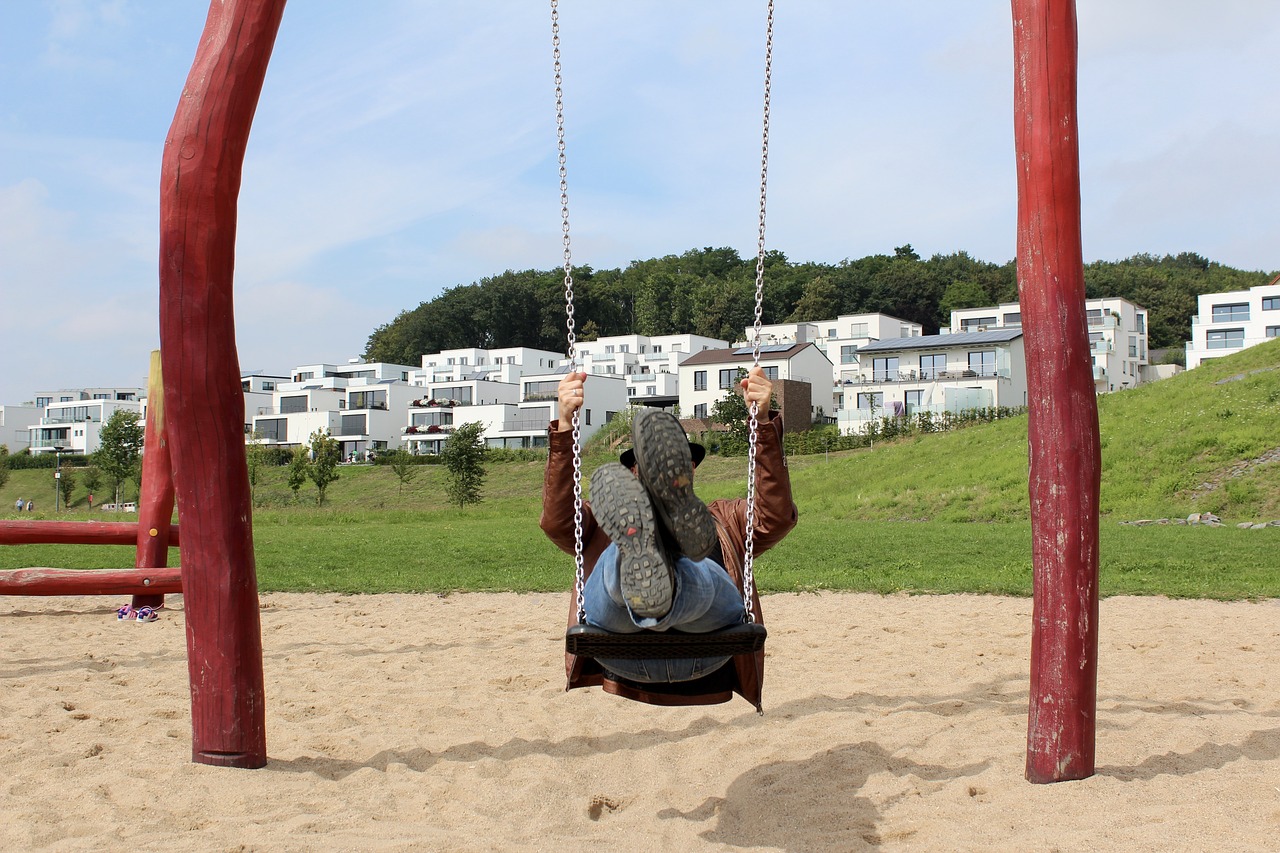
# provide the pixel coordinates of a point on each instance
(557, 494)
(775, 510)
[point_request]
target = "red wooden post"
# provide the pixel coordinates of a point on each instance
(199, 185)
(1063, 431)
(155, 497)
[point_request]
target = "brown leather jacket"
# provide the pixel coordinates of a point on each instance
(775, 515)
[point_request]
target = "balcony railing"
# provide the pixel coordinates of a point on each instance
(59, 421)
(525, 425)
(876, 377)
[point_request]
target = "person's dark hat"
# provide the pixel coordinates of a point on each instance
(628, 457)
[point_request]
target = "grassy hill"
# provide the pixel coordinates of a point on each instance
(897, 517)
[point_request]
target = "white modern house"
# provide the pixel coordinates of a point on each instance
(70, 421)
(513, 415)
(512, 391)
(15, 426)
(1227, 322)
(706, 377)
(258, 389)
(507, 364)
(1117, 337)
(839, 339)
(934, 373)
(360, 404)
(650, 365)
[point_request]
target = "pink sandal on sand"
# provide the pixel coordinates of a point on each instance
(125, 612)
(147, 614)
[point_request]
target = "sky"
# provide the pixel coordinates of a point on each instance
(402, 147)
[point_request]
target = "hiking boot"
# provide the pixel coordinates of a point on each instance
(665, 466)
(622, 508)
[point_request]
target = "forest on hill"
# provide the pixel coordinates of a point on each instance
(712, 292)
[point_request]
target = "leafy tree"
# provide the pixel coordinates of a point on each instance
(119, 453)
(4, 464)
(402, 466)
(326, 453)
(463, 457)
(820, 301)
(299, 470)
(92, 478)
(963, 294)
(732, 411)
(66, 485)
(254, 458)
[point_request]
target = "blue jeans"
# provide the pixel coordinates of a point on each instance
(705, 599)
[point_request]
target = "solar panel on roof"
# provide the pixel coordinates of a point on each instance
(763, 349)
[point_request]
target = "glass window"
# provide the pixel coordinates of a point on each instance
(353, 425)
(631, 392)
(858, 330)
(1140, 323)
(1013, 319)
(274, 429)
(884, 369)
(983, 362)
(1271, 303)
(700, 380)
(293, 404)
(1273, 331)
(1235, 312)
(1225, 339)
(913, 401)
(545, 390)
(700, 411)
(831, 333)
(932, 365)
(41, 402)
(726, 377)
(849, 354)
(462, 393)
(869, 399)
(771, 373)
(972, 324)
(1133, 347)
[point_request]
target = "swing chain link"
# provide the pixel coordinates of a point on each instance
(572, 351)
(748, 560)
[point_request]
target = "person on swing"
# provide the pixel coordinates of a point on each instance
(659, 558)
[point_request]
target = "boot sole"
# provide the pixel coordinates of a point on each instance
(666, 469)
(624, 512)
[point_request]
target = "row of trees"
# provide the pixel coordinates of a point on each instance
(317, 461)
(712, 292)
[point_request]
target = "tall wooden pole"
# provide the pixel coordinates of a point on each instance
(1063, 430)
(199, 187)
(155, 497)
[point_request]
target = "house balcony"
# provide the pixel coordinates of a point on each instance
(881, 377)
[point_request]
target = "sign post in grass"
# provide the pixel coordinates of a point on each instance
(1065, 451)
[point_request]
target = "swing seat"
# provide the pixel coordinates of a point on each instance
(589, 641)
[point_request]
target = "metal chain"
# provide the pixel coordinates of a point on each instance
(579, 571)
(748, 560)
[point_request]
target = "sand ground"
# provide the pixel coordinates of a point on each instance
(415, 722)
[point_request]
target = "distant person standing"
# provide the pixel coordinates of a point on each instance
(91, 503)
(19, 505)
(31, 506)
